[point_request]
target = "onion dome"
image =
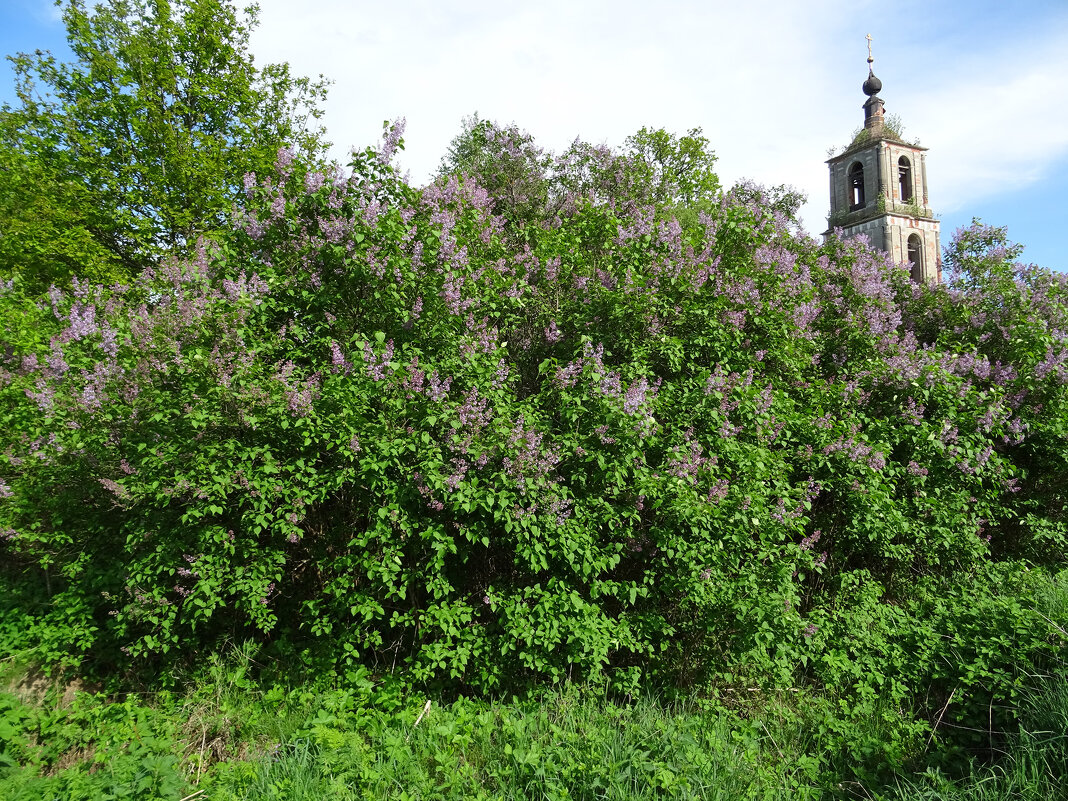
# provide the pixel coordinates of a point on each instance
(873, 85)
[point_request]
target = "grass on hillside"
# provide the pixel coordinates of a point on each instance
(227, 738)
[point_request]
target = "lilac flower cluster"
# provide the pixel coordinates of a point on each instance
(685, 462)
(391, 140)
(718, 492)
(913, 412)
(338, 362)
(560, 509)
(848, 444)
(482, 337)
(639, 395)
(375, 366)
(299, 393)
(253, 288)
(460, 468)
(475, 413)
(431, 502)
(528, 458)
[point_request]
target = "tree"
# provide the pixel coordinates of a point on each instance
(143, 141)
(505, 162)
(673, 169)
(47, 221)
(673, 174)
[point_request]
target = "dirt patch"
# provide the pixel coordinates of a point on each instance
(33, 686)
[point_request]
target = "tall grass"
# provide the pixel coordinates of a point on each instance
(233, 734)
(573, 743)
(1034, 767)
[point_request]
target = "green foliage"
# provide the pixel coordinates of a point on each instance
(89, 750)
(673, 170)
(140, 144)
(586, 418)
(673, 175)
(505, 162)
(357, 742)
(1033, 765)
(499, 451)
(47, 221)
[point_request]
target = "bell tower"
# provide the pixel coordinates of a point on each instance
(879, 188)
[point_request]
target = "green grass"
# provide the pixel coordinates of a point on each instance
(237, 730)
(1034, 767)
(230, 739)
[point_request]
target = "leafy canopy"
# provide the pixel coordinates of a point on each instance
(142, 142)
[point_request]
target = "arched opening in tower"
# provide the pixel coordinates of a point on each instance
(915, 258)
(904, 175)
(856, 186)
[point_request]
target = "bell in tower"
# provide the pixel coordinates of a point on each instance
(879, 189)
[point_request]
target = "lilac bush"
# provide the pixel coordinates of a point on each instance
(592, 436)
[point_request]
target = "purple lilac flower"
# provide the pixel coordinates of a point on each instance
(283, 164)
(913, 412)
(637, 394)
(453, 481)
(114, 488)
(452, 294)
(391, 140)
(44, 396)
(502, 373)
(528, 457)
(413, 378)
(337, 358)
(56, 361)
(567, 376)
(718, 491)
(560, 508)
(686, 463)
(278, 206)
(376, 366)
(253, 227)
(437, 388)
(475, 413)
(428, 496)
(82, 321)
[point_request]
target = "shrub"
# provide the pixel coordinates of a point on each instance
(497, 451)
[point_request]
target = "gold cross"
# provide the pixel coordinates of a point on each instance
(868, 37)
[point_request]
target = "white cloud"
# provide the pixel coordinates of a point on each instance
(999, 126)
(773, 84)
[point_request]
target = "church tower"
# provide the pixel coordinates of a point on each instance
(879, 188)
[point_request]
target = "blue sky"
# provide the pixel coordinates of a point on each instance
(773, 83)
